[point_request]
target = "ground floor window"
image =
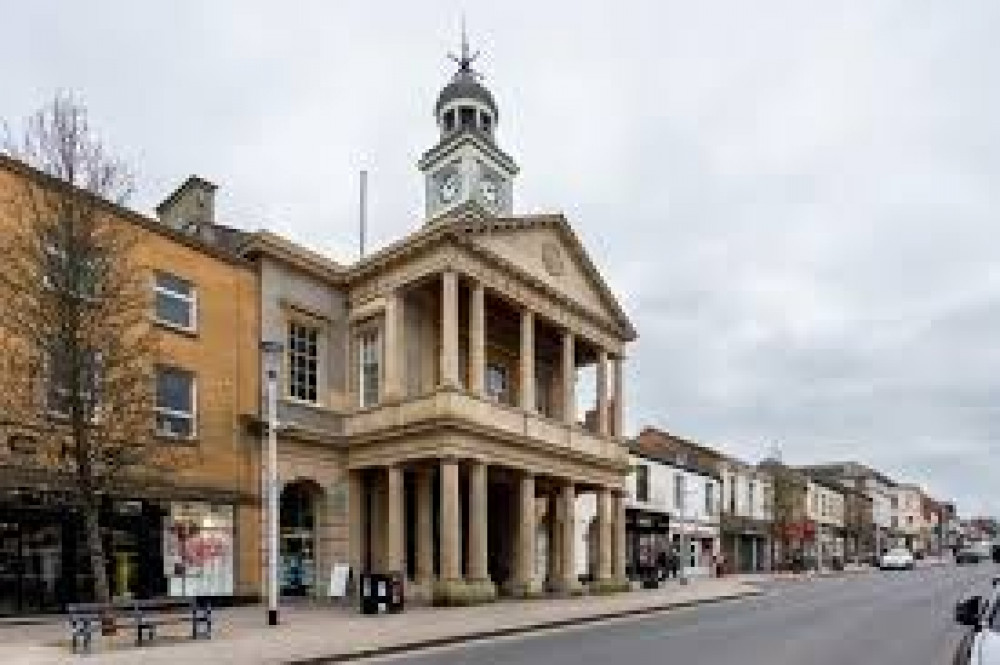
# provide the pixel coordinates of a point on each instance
(198, 549)
(298, 539)
(44, 562)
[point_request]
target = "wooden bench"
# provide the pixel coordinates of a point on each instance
(143, 616)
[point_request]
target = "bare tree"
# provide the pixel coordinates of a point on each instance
(77, 385)
(787, 495)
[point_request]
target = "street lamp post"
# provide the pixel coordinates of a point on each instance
(271, 352)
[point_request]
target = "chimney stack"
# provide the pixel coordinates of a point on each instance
(190, 208)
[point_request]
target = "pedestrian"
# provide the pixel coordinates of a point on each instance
(674, 563)
(661, 565)
(720, 564)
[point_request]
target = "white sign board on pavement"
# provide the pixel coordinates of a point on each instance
(338, 580)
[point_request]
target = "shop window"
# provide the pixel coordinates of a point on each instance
(369, 369)
(303, 361)
(175, 403)
(198, 549)
(176, 302)
(642, 483)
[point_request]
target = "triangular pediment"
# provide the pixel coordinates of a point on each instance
(546, 248)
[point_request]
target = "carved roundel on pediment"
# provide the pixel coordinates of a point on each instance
(552, 259)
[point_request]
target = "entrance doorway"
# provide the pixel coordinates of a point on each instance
(297, 528)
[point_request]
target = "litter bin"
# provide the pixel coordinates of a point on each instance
(381, 593)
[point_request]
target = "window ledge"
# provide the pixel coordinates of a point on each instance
(173, 327)
(295, 401)
(178, 441)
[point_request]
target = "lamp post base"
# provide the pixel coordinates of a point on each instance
(272, 617)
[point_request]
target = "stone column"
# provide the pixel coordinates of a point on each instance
(602, 393)
(569, 377)
(356, 520)
(618, 559)
(477, 568)
(425, 526)
(567, 512)
(451, 524)
(377, 522)
(393, 341)
(527, 390)
(394, 521)
(619, 415)
(449, 329)
(477, 341)
(555, 541)
(604, 529)
(525, 574)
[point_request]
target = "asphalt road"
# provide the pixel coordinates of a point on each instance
(878, 618)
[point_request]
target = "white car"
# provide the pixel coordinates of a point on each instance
(981, 646)
(896, 559)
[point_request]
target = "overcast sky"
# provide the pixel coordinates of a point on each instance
(796, 201)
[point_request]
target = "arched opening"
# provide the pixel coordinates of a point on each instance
(298, 522)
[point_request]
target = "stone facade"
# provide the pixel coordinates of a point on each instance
(218, 350)
(443, 439)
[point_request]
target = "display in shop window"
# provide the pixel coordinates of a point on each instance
(198, 549)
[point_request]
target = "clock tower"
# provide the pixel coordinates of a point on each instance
(465, 169)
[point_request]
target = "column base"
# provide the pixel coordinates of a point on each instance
(571, 587)
(609, 585)
(459, 593)
(530, 589)
(420, 592)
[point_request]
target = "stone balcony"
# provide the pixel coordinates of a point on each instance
(461, 408)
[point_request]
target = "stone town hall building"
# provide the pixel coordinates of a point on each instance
(429, 412)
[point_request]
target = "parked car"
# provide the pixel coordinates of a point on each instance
(981, 645)
(897, 559)
(975, 553)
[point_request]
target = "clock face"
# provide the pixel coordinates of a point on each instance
(489, 189)
(449, 186)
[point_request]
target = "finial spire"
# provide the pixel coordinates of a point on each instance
(465, 58)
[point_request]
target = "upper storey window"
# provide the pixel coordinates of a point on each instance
(303, 361)
(642, 483)
(176, 302)
(497, 383)
(175, 403)
(370, 371)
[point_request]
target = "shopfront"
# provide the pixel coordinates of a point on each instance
(647, 537)
(44, 563)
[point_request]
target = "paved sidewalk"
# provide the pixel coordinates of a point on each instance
(332, 634)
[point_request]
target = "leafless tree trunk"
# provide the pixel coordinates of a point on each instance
(78, 349)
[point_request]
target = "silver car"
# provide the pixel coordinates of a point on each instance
(981, 614)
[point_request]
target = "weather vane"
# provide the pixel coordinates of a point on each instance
(465, 59)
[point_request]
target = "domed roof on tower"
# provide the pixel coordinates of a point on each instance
(465, 103)
(466, 171)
